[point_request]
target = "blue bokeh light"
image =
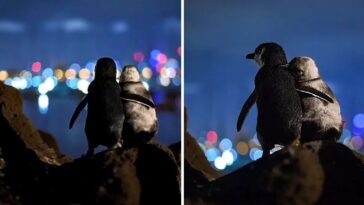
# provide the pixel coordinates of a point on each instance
(358, 120)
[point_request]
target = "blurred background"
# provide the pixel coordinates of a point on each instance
(48, 50)
(218, 78)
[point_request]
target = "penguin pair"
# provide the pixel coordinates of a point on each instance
(111, 117)
(277, 95)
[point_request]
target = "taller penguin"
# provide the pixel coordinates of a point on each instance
(105, 117)
(278, 103)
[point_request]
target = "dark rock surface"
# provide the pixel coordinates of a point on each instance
(33, 171)
(11, 107)
(316, 173)
(319, 172)
(197, 170)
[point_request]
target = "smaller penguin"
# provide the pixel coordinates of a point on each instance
(105, 117)
(141, 123)
(321, 119)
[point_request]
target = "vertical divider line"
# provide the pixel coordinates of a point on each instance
(182, 98)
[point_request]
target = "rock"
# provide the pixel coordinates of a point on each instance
(11, 105)
(197, 170)
(195, 157)
(23, 167)
(344, 174)
(159, 175)
(317, 173)
(51, 142)
(109, 177)
(32, 170)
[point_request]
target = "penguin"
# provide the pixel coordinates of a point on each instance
(321, 120)
(141, 123)
(105, 115)
(278, 103)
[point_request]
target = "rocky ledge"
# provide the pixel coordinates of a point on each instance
(319, 172)
(33, 171)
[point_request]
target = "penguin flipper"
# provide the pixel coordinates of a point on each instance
(245, 110)
(137, 99)
(315, 93)
(77, 111)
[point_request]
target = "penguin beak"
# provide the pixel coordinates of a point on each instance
(250, 56)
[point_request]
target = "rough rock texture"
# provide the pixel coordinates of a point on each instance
(197, 170)
(319, 172)
(11, 107)
(32, 171)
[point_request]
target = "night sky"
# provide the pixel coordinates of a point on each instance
(218, 35)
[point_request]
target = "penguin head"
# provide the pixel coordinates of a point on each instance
(129, 74)
(303, 68)
(268, 54)
(105, 69)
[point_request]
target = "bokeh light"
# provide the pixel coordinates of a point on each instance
(257, 154)
(212, 137)
(75, 66)
(253, 142)
(36, 67)
(164, 81)
(242, 148)
(84, 73)
(154, 54)
(25, 74)
(72, 83)
(225, 144)
(357, 131)
(43, 103)
(36, 81)
(47, 72)
(59, 74)
(70, 73)
(138, 56)
(252, 151)
(220, 163)
(347, 142)
(90, 66)
(346, 133)
(211, 154)
(147, 73)
(3, 75)
(83, 85)
(358, 120)
(162, 58)
(357, 142)
(228, 157)
(234, 153)
(176, 81)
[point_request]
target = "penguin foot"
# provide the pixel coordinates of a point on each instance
(296, 142)
(118, 145)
